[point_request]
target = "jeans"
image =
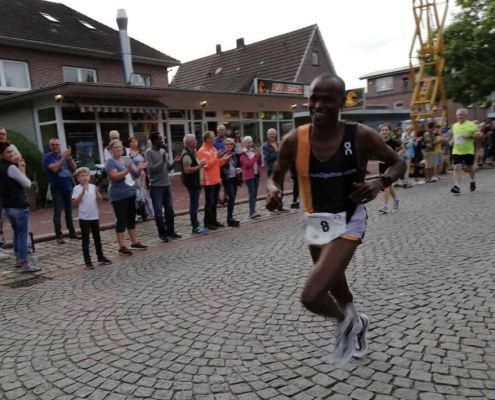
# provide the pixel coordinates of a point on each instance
(19, 219)
(62, 199)
(252, 185)
(161, 197)
(212, 193)
(94, 227)
(194, 206)
(230, 187)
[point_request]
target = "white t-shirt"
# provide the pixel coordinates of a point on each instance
(88, 209)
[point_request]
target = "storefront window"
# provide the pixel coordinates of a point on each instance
(230, 114)
(176, 114)
(210, 114)
(46, 114)
(48, 132)
(197, 114)
(82, 139)
(74, 114)
(251, 129)
(269, 115)
(198, 132)
(249, 115)
(122, 127)
(142, 132)
(285, 115)
(148, 116)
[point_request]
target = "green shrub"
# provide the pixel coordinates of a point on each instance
(34, 164)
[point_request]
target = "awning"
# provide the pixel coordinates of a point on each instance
(117, 105)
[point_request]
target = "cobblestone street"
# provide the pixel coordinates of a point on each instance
(218, 317)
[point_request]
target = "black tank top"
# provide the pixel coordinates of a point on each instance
(331, 180)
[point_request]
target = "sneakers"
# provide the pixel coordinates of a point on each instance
(254, 215)
(455, 189)
(344, 345)
(294, 205)
(164, 239)
(104, 261)
(124, 251)
(73, 235)
(89, 265)
(174, 235)
(361, 346)
(396, 203)
(199, 230)
(472, 186)
(383, 209)
(60, 240)
(219, 225)
(138, 246)
(27, 267)
(233, 223)
(212, 227)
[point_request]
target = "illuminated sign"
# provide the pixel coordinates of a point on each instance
(268, 86)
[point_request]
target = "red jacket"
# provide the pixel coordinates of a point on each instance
(247, 165)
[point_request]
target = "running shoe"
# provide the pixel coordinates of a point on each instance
(344, 345)
(361, 346)
(472, 186)
(200, 230)
(27, 268)
(124, 251)
(138, 246)
(383, 210)
(254, 215)
(396, 204)
(455, 189)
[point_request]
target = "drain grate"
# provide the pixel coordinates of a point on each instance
(30, 281)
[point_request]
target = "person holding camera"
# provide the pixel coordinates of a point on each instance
(60, 167)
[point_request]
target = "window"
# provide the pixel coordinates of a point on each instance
(385, 83)
(49, 17)
(75, 74)
(87, 24)
(398, 104)
(138, 79)
(14, 75)
(231, 114)
(315, 59)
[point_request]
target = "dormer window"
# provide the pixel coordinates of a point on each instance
(49, 17)
(87, 24)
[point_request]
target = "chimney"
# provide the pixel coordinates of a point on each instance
(125, 45)
(219, 48)
(240, 43)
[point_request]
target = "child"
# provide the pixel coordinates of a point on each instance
(84, 196)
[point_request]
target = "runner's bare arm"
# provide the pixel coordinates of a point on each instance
(286, 155)
(372, 144)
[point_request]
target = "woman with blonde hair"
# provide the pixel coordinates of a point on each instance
(250, 160)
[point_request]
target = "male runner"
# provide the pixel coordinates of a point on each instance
(331, 157)
(464, 132)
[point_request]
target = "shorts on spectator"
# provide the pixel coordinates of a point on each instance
(438, 159)
(466, 159)
(430, 159)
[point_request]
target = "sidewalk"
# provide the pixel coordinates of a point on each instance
(41, 220)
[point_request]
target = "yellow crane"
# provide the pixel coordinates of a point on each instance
(428, 102)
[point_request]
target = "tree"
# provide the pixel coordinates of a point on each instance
(470, 53)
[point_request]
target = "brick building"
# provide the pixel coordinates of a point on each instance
(65, 75)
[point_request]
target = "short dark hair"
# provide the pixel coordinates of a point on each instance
(432, 125)
(4, 146)
(153, 135)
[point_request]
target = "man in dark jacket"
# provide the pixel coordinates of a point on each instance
(270, 154)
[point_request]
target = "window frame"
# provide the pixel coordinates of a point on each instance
(315, 58)
(3, 80)
(79, 71)
(384, 88)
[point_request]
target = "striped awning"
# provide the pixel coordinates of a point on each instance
(108, 105)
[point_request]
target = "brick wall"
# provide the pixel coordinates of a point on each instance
(45, 68)
(308, 70)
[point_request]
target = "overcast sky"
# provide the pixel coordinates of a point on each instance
(362, 36)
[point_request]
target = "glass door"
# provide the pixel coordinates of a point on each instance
(177, 133)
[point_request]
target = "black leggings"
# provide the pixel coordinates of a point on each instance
(92, 226)
(125, 212)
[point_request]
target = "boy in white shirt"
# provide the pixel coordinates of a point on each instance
(84, 196)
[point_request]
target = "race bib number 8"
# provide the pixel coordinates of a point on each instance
(322, 228)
